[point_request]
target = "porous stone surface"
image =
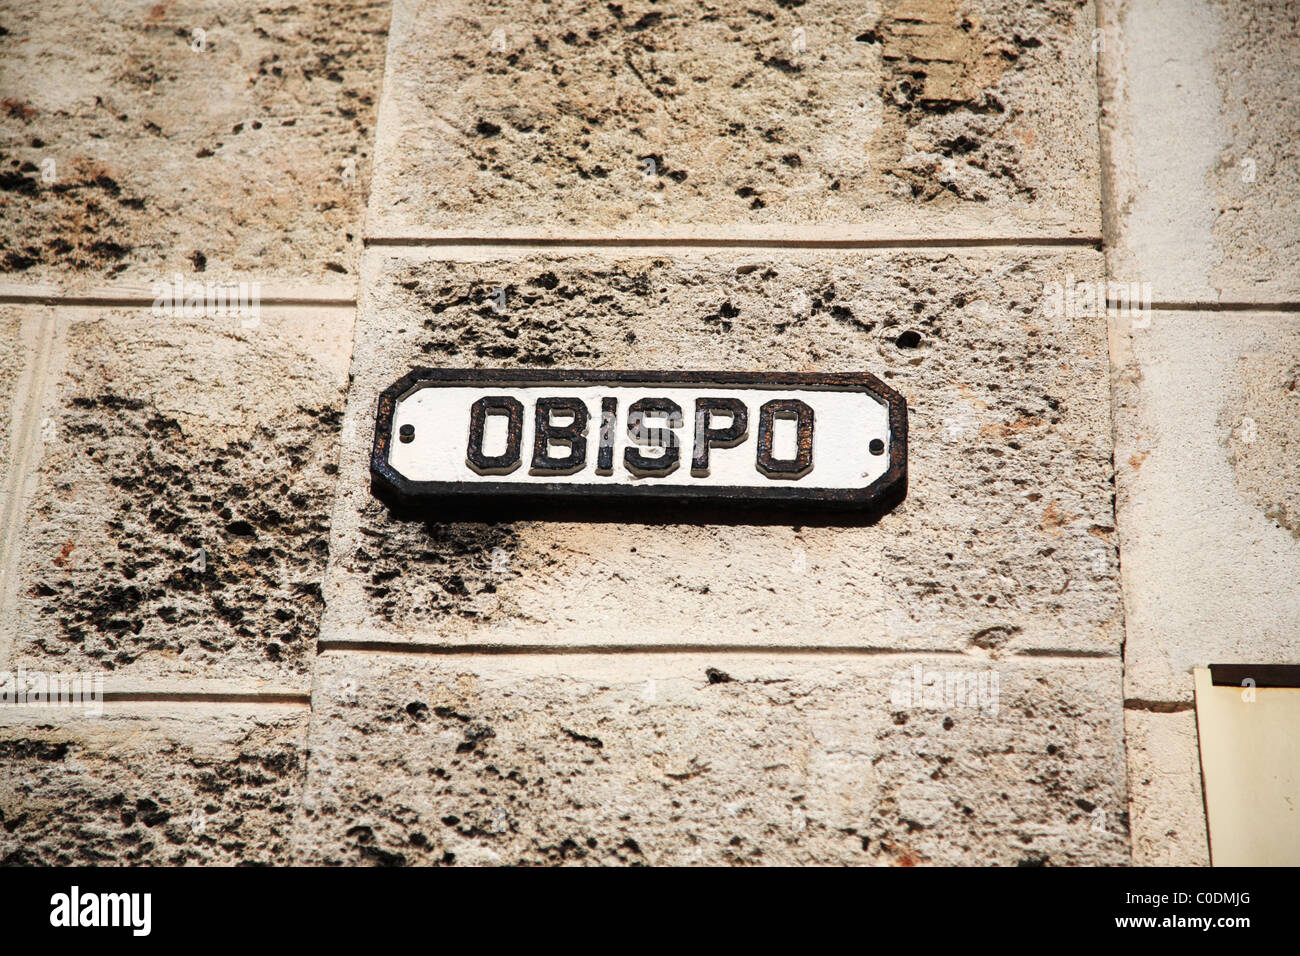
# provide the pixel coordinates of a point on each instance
(1265, 453)
(823, 117)
(1199, 98)
(1208, 459)
(133, 146)
(1256, 179)
(180, 521)
(1005, 541)
(711, 759)
(1168, 806)
(149, 785)
(13, 355)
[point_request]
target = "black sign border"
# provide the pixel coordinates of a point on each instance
(389, 486)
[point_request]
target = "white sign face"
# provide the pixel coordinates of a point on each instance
(523, 434)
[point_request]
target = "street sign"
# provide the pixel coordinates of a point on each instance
(516, 435)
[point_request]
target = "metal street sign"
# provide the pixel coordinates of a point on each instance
(835, 440)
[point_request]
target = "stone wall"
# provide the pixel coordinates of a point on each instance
(933, 191)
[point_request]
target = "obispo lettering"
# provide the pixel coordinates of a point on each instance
(706, 436)
(664, 438)
(508, 460)
(572, 435)
(74, 909)
(654, 448)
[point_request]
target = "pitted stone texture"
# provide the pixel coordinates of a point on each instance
(709, 759)
(181, 519)
(1168, 807)
(771, 118)
(1208, 465)
(13, 356)
(1199, 103)
(251, 156)
(1005, 540)
(150, 785)
(1256, 179)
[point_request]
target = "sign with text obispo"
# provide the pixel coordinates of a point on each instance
(838, 439)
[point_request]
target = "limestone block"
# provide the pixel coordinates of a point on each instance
(150, 784)
(1005, 541)
(1199, 107)
(13, 356)
(141, 139)
(26, 344)
(1208, 458)
(712, 759)
(180, 517)
(1164, 772)
(829, 119)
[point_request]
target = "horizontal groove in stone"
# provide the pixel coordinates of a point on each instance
(1052, 652)
(466, 650)
(55, 299)
(526, 650)
(132, 302)
(199, 697)
(638, 242)
(1215, 306)
(178, 697)
(1159, 706)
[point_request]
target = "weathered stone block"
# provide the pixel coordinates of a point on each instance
(150, 784)
(1005, 541)
(144, 138)
(26, 334)
(1199, 104)
(1209, 509)
(179, 526)
(1164, 771)
(711, 759)
(13, 356)
(825, 119)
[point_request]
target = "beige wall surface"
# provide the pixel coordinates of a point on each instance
(943, 193)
